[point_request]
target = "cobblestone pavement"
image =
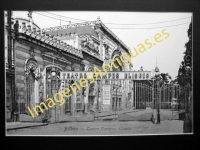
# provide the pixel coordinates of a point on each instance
(103, 128)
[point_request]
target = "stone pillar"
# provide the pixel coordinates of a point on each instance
(86, 65)
(73, 101)
(36, 92)
(86, 99)
(101, 95)
(117, 100)
(96, 95)
(62, 108)
(12, 52)
(53, 109)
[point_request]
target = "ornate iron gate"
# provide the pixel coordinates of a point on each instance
(151, 96)
(142, 95)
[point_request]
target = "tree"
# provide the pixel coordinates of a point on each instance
(186, 66)
(184, 79)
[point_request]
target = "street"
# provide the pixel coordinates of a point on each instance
(103, 128)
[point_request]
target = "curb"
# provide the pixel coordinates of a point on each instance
(29, 126)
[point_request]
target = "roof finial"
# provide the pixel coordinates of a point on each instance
(30, 14)
(30, 18)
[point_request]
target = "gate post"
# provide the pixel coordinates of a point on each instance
(73, 98)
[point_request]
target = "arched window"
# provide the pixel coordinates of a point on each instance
(32, 73)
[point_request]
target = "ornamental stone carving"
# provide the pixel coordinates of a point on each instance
(32, 64)
(90, 45)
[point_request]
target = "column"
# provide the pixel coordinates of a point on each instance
(73, 101)
(86, 98)
(36, 92)
(12, 52)
(62, 109)
(101, 95)
(101, 44)
(94, 106)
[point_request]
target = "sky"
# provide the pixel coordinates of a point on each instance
(133, 28)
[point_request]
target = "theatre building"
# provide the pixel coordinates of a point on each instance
(35, 57)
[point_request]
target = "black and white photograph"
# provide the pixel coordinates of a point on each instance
(97, 73)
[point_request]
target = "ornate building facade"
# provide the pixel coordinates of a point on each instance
(35, 57)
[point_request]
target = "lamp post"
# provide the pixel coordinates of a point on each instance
(157, 75)
(152, 84)
(54, 84)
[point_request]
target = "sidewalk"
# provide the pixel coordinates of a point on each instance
(111, 113)
(20, 125)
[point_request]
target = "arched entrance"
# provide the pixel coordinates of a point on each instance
(52, 84)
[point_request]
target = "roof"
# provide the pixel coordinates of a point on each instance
(82, 28)
(78, 30)
(48, 39)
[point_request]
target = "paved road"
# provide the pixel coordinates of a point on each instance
(103, 128)
(135, 113)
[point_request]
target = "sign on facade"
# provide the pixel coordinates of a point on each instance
(132, 75)
(106, 94)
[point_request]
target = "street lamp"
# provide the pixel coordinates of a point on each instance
(157, 75)
(53, 71)
(54, 83)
